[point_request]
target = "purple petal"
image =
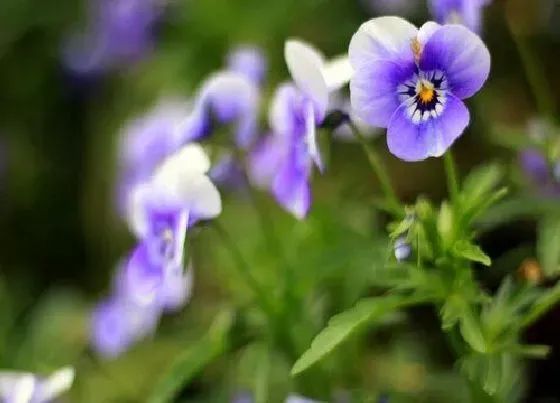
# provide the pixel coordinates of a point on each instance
(249, 61)
(411, 141)
(461, 55)
(534, 163)
(231, 97)
(177, 289)
(143, 278)
(166, 235)
(291, 186)
(266, 159)
(382, 38)
(284, 119)
(374, 90)
(109, 332)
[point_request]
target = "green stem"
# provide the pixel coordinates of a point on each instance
(451, 174)
(535, 75)
(242, 268)
(377, 167)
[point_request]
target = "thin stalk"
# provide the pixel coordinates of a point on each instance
(378, 169)
(451, 174)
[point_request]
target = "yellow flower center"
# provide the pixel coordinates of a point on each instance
(426, 92)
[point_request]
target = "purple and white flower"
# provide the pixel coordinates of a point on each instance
(284, 160)
(119, 32)
(25, 387)
(465, 12)
(179, 194)
(412, 82)
(402, 249)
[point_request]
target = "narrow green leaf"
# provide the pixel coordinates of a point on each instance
(341, 326)
(469, 251)
(194, 359)
(548, 246)
(480, 183)
(471, 330)
(531, 351)
(445, 224)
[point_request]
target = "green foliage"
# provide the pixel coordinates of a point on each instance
(194, 359)
(548, 244)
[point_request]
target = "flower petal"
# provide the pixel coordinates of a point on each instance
(415, 142)
(382, 38)
(374, 90)
(426, 31)
(109, 333)
(190, 159)
(17, 387)
(230, 97)
(291, 188)
(178, 288)
(337, 72)
(250, 61)
(305, 64)
(143, 278)
(265, 160)
(56, 384)
(283, 114)
(461, 55)
(311, 136)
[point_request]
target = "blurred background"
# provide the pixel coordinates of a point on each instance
(62, 112)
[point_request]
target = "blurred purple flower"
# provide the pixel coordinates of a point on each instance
(344, 131)
(24, 387)
(466, 12)
(118, 323)
(225, 98)
(283, 161)
(412, 81)
(118, 32)
(538, 169)
(249, 61)
(179, 193)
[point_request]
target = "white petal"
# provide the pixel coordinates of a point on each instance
(383, 38)
(55, 385)
(188, 160)
(337, 72)
(426, 31)
(306, 64)
(311, 136)
(17, 387)
(202, 197)
(136, 217)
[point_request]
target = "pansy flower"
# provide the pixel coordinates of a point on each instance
(466, 12)
(284, 159)
(25, 387)
(119, 32)
(179, 194)
(413, 82)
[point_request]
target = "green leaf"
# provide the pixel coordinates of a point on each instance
(445, 224)
(480, 183)
(450, 313)
(341, 326)
(531, 351)
(196, 357)
(469, 251)
(548, 246)
(471, 330)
